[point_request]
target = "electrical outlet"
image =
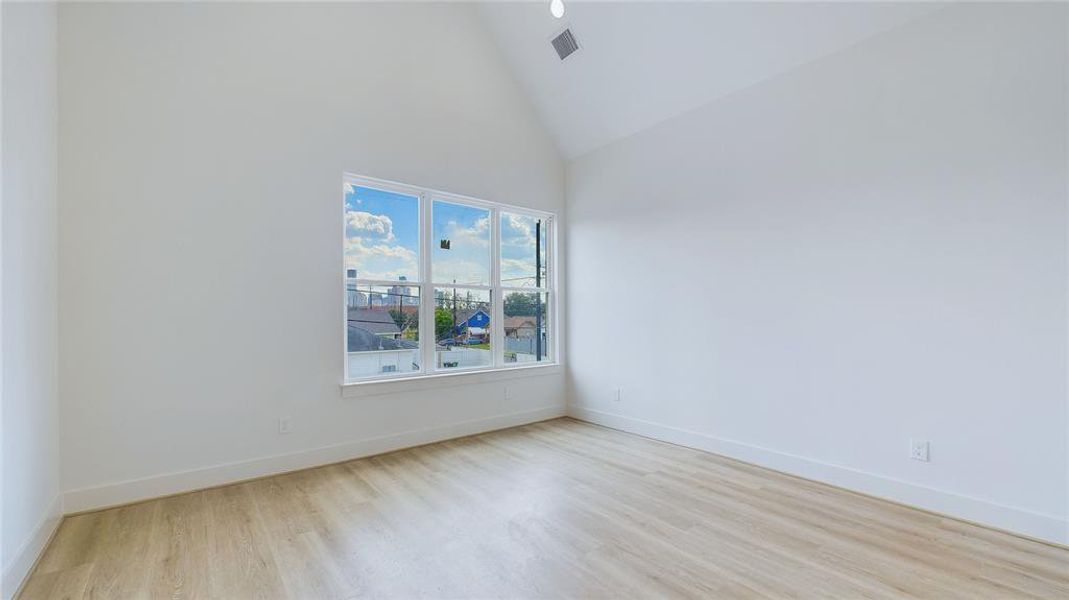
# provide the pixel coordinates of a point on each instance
(284, 425)
(616, 395)
(508, 393)
(918, 450)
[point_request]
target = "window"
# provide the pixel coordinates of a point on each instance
(462, 319)
(525, 287)
(475, 277)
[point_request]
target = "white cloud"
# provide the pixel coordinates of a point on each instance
(476, 235)
(378, 260)
(518, 230)
(462, 272)
(365, 223)
(350, 190)
(468, 260)
(512, 268)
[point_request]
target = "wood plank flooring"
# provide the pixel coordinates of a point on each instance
(553, 509)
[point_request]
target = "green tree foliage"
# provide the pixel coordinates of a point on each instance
(443, 323)
(520, 305)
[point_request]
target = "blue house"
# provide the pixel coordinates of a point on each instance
(474, 328)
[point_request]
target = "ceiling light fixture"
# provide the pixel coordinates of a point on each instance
(556, 8)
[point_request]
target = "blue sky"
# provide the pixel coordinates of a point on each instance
(518, 250)
(382, 234)
(468, 258)
(382, 240)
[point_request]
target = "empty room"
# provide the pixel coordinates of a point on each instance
(534, 299)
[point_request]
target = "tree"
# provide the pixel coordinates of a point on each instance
(404, 320)
(443, 323)
(519, 304)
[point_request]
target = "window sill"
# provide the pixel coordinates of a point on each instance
(378, 387)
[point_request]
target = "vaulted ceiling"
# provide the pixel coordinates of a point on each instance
(643, 62)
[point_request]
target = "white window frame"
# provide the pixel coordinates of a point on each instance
(429, 375)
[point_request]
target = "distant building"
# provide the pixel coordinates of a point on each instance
(472, 327)
(401, 295)
(375, 346)
(520, 327)
(377, 322)
(353, 298)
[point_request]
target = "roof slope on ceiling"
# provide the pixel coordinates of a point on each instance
(642, 63)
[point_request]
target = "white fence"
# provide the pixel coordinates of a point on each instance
(522, 350)
(377, 362)
(459, 357)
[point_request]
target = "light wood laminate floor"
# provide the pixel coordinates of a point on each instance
(553, 509)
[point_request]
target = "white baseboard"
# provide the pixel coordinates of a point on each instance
(18, 568)
(1009, 518)
(174, 483)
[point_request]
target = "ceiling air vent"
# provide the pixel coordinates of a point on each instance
(565, 44)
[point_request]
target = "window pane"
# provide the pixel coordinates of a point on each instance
(525, 327)
(523, 251)
(462, 328)
(383, 330)
(381, 234)
(461, 246)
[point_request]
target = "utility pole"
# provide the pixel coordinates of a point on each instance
(401, 309)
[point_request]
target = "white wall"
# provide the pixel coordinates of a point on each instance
(869, 248)
(202, 149)
(29, 487)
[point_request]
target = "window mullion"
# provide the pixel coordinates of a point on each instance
(427, 338)
(497, 301)
(551, 284)
(528, 290)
